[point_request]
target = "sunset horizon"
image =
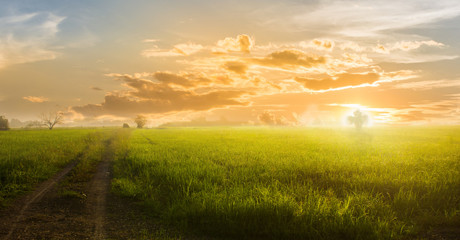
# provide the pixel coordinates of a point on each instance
(299, 63)
(200, 119)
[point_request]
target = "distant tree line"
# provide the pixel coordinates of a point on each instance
(49, 120)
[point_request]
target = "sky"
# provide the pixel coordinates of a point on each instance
(289, 62)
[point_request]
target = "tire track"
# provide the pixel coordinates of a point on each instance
(38, 194)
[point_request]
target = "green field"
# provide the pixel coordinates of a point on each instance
(261, 183)
(296, 183)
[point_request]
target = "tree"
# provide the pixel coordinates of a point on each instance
(4, 124)
(140, 120)
(51, 119)
(125, 125)
(358, 119)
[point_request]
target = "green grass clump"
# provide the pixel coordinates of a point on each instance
(288, 183)
(30, 156)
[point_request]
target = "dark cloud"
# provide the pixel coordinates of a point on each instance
(148, 97)
(291, 58)
(186, 80)
(237, 67)
(96, 88)
(342, 80)
(168, 78)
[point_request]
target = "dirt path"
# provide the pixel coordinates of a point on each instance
(47, 213)
(98, 191)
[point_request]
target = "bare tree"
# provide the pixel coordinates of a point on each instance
(358, 119)
(51, 119)
(140, 120)
(4, 124)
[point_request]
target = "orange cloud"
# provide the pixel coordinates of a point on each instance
(338, 81)
(36, 99)
(242, 43)
(321, 44)
(233, 80)
(290, 58)
(184, 80)
(184, 49)
(237, 67)
(148, 97)
(414, 115)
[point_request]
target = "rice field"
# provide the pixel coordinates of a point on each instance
(293, 183)
(259, 183)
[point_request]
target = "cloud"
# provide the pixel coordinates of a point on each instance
(183, 49)
(242, 43)
(348, 45)
(36, 99)
(171, 78)
(27, 38)
(429, 84)
(405, 46)
(237, 67)
(152, 40)
(346, 17)
(183, 79)
(290, 58)
(320, 44)
(411, 45)
(381, 49)
(149, 97)
(237, 81)
(414, 115)
(338, 81)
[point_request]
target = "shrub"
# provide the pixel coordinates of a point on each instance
(4, 123)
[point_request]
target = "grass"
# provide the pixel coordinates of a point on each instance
(29, 157)
(259, 183)
(287, 183)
